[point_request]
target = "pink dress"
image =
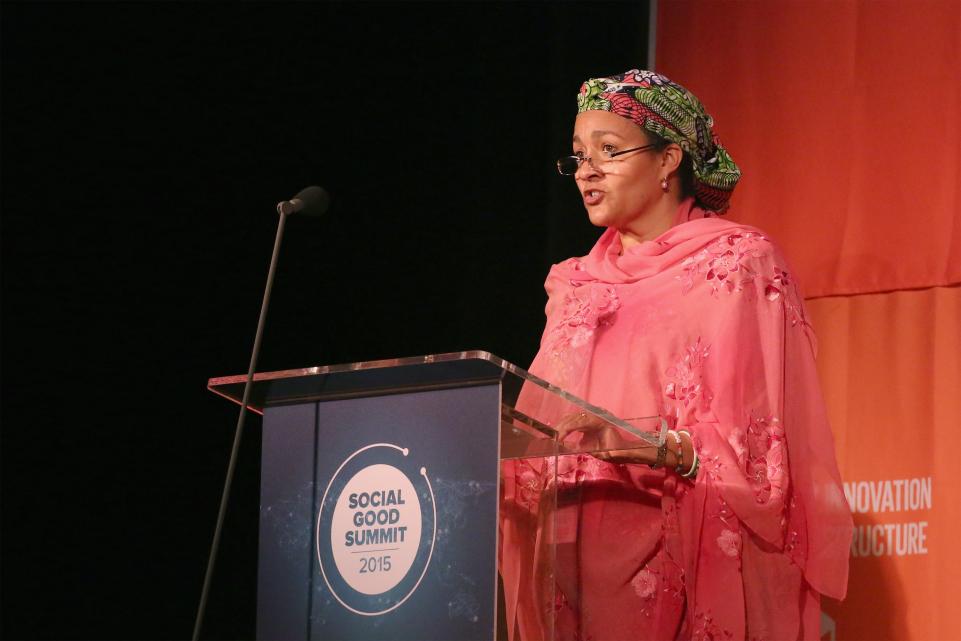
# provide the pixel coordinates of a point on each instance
(705, 326)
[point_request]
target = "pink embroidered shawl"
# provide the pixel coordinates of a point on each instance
(705, 326)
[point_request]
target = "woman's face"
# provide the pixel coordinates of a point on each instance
(619, 191)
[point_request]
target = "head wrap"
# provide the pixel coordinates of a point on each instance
(667, 109)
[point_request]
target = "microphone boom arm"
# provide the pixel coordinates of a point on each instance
(238, 432)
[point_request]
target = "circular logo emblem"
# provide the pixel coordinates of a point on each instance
(376, 529)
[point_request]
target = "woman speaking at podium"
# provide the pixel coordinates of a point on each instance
(738, 524)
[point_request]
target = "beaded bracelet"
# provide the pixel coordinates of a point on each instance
(691, 473)
(661, 456)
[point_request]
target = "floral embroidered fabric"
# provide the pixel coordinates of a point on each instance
(704, 326)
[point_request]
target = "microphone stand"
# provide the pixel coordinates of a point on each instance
(283, 210)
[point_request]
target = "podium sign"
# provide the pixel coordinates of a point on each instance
(380, 486)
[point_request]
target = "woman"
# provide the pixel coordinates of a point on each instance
(735, 528)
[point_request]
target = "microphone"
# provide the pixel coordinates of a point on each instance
(310, 201)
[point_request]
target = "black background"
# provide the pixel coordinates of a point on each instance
(144, 146)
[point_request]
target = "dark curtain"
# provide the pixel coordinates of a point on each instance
(144, 146)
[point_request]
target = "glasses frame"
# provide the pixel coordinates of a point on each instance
(610, 156)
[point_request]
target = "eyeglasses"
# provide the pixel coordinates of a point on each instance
(568, 165)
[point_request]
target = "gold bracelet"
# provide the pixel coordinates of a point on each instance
(680, 450)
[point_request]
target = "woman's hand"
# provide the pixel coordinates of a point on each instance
(580, 423)
(584, 431)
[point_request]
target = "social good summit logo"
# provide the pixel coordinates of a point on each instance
(376, 529)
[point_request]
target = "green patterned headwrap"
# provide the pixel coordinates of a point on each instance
(667, 109)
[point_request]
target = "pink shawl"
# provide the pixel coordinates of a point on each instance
(705, 326)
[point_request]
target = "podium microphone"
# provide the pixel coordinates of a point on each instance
(311, 201)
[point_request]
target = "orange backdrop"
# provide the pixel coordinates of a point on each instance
(846, 120)
(845, 117)
(890, 367)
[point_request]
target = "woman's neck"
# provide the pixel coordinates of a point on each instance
(652, 224)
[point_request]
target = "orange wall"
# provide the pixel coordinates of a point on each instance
(845, 117)
(890, 367)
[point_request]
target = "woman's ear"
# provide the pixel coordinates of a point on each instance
(671, 158)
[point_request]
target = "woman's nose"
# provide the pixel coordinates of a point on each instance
(586, 169)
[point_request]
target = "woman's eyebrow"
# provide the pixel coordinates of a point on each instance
(603, 132)
(598, 133)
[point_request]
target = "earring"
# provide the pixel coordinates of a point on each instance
(664, 184)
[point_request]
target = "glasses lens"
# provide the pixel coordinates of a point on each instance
(567, 166)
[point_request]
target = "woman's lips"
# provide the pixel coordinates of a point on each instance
(593, 197)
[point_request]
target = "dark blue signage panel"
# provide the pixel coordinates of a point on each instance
(378, 517)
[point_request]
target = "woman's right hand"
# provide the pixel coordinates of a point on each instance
(585, 432)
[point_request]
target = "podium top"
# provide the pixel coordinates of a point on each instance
(388, 376)
(431, 372)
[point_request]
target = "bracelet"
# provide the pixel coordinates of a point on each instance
(661, 456)
(692, 473)
(680, 450)
(696, 463)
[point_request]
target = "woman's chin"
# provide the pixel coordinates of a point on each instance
(599, 217)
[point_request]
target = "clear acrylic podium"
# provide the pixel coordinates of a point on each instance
(381, 484)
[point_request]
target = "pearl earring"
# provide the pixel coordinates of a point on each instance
(664, 184)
